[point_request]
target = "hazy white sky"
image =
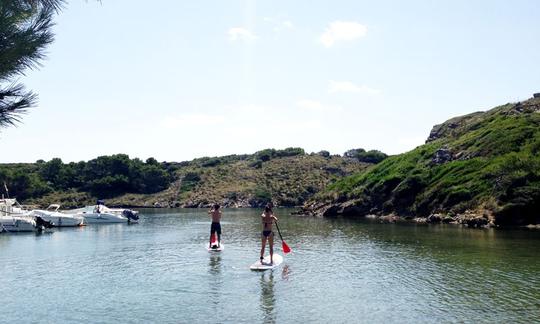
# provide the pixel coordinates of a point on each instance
(176, 80)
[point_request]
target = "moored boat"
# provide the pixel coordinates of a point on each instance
(13, 218)
(17, 224)
(101, 214)
(57, 218)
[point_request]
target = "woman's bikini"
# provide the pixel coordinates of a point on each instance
(266, 231)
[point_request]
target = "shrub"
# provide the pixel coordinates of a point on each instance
(211, 162)
(323, 153)
(257, 164)
(290, 151)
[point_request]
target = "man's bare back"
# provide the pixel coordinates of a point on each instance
(216, 215)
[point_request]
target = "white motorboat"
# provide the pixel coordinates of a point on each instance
(11, 207)
(101, 214)
(13, 218)
(17, 224)
(57, 218)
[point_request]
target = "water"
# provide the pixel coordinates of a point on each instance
(340, 271)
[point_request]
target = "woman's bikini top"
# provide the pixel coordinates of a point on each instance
(266, 223)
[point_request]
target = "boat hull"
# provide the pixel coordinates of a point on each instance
(103, 218)
(17, 224)
(59, 219)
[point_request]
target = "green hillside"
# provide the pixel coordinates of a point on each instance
(248, 181)
(288, 177)
(484, 165)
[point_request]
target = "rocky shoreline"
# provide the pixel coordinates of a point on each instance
(226, 203)
(473, 219)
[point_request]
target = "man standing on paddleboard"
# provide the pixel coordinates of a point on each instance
(267, 234)
(215, 213)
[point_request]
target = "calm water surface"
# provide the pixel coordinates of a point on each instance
(340, 271)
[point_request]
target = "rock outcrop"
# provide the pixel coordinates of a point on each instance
(450, 126)
(442, 155)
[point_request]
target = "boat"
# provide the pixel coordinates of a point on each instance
(11, 207)
(13, 224)
(14, 218)
(57, 218)
(101, 214)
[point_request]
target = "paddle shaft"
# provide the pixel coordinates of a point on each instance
(279, 232)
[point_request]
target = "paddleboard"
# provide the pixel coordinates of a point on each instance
(214, 247)
(265, 265)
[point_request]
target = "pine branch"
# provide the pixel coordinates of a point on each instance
(14, 102)
(22, 42)
(25, 31)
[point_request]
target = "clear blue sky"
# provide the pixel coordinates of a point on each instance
(176, 80)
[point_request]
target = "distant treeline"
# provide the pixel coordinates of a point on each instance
(258, 158)
(115, 175)
(103, 177)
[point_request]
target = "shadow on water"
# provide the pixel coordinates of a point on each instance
(268, 299)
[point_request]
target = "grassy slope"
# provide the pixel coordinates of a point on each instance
(288, 181)
(234, 182)
(494, 169)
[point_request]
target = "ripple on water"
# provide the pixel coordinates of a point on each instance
(339, 271)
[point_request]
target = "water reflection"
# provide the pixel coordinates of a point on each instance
(216, 278)
(43, 232)
(285, 272)
(268, 299)
(214, 264)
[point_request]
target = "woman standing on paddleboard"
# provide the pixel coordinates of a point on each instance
(267, 234)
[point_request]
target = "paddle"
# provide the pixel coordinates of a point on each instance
(286, 248)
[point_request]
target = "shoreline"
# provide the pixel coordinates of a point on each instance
(473, 219)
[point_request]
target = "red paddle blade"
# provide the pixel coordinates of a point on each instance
(213, 240)
(286, 248)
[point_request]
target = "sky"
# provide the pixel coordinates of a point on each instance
(178, 80)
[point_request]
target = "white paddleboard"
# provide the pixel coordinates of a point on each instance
(265, 265)
(216, 249)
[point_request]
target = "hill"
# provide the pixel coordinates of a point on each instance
(479, 168)
(288, 177)
(248, 181)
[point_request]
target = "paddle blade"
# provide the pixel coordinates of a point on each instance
(286, 248)
(214, 239)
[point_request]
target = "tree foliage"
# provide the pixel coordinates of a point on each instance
(103, 177)
(25, 31)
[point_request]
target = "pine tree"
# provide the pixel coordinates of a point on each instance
(25, 32)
